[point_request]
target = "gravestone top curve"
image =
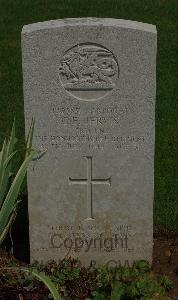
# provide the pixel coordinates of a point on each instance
(89, 22)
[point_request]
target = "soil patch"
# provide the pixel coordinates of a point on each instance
(165, 262)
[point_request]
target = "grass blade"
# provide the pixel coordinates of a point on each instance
(3, 155)
(46, 280)
(11, 197)
(40, 276)
(6, 176)
(2, 159)
(5, 163)
(7, 227)
(30, 137)
(8, 160)
(12, 140)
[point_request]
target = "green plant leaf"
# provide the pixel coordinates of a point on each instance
(9, 202)
(166, 282)
(46, 280)
(30, 137)
(3, 154)
(118, 290)
(12, 141)
(8, 196)
(6, 156)
(142, 266)
(40, 276)
(8, 160)
(98, 295)
(6, 176)
(7, 227)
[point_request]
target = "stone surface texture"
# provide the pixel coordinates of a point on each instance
(90, 84)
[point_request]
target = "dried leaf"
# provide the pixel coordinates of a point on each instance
(168, 253)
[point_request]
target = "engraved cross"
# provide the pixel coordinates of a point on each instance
(89, 181)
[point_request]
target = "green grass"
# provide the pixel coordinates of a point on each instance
(164, 14)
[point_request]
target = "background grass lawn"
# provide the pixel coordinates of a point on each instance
(164, 14)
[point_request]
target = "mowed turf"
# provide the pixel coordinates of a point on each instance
(164, 14)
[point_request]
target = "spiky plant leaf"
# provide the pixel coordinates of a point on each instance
(10, 200)
(3, 172)
(7, 227)
(12, 141)
(40, 276)
(3, 155)
(47, 281)
(6, 156)
(8, 196)
(8, 160)
(30, 137)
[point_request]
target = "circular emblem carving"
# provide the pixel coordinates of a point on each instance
(88, 71)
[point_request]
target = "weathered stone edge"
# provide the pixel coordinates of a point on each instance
(89, 22)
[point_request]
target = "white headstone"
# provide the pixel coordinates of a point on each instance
(90, 84)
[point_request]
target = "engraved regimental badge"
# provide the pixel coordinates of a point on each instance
(88, 71)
